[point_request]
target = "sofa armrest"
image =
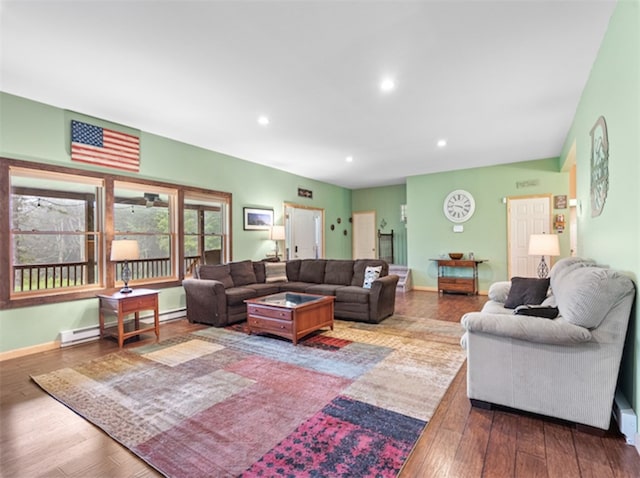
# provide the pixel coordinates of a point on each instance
(382, 298)
(522, 327)
(206, 301)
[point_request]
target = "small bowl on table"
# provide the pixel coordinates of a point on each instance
(456, 256)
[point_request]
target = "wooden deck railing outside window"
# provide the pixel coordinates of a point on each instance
(32, 277)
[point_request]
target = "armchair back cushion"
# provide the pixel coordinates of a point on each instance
(585, 295)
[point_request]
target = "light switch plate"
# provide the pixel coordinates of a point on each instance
(458, 228)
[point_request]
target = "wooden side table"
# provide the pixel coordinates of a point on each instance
(452, 283)
(122, 305)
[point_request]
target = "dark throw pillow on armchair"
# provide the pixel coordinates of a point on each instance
(526, 291)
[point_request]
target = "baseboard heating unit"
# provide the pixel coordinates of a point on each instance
(92, 332)
(625, 417)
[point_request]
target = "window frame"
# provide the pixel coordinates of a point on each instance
(108, 280)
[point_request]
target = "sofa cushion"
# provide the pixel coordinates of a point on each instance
(264, 289)
(237, 295)
(323, 289)
(258, 270)
(338, 272)
(352, 293)
(242, 273)
(220, 273)
(360, 265)
(293, 270)
(275, 272)
(526, 291)
(563, 266)
(371, 274)
(312, 270)
(587, 294)
(294, 286)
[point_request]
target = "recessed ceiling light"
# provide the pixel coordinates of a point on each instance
(442, 143)
(349, 159)
(263, 120)
(387, 84)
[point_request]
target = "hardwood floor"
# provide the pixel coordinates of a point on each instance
(39, 437)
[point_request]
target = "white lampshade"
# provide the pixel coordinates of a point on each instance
(277, 233)
(124, 250)
(544, 245)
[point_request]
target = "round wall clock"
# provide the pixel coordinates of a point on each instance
(459, 206)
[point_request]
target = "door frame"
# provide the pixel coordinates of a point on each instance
(287, 225)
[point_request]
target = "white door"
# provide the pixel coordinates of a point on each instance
(304, 233)
(526, 216)
(364, 235)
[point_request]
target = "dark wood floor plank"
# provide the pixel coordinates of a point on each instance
(500, 460)
(530, 466)
(470, 455)
(592, 457)
(531, 436)
(562, 461)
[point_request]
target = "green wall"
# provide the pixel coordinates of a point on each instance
(386, 202)
(33, 131)
(430, 234)
(613, 238)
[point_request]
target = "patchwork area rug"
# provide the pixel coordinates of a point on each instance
(221, 403)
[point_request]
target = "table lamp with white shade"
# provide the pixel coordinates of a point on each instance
(277, 234)
(125, 250)
(543, 245)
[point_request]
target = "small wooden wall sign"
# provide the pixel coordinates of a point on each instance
(560, 202)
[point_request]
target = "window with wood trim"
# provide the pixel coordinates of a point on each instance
(55, 232)
(146, 214)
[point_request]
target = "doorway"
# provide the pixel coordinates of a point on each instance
(364, 235)
(304, 228)
(526, 215)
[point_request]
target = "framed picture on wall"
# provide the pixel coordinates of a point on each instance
(257, 219)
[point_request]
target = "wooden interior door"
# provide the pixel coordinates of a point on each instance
(364, 235)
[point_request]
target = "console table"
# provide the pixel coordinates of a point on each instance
(448, 282)
(122, 305)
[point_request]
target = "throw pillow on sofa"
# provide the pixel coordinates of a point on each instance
(371, 274)
(275, 272)
(526, 291)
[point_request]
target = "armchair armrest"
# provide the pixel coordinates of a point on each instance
(382, 298)
(206, 301)
(530, 329)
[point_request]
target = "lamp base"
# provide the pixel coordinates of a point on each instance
(126, 290)
(543, 269)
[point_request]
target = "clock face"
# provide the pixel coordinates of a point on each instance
(459, 206)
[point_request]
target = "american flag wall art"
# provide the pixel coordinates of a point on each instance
(104, 147)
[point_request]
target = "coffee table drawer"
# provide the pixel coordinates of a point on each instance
(273, 312)
(266, 324)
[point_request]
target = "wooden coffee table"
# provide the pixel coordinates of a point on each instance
(291, 315)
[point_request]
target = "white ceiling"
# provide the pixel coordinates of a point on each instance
(500, 81)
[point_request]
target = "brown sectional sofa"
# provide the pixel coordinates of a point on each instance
(217, 293)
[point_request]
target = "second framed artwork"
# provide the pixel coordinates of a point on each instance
(257, 219)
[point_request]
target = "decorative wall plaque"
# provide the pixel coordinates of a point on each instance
(599, 166)
(560, 202)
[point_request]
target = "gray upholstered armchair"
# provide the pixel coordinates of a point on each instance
(566, 367)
